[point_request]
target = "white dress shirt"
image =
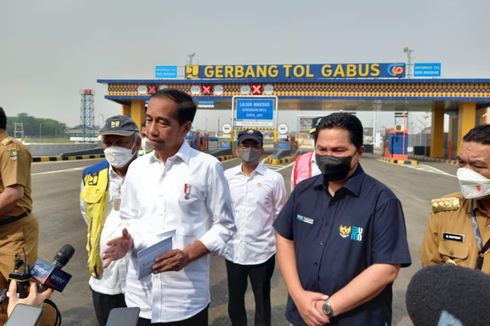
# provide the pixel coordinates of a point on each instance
(257, 200)
(113, 278)
(188, 193)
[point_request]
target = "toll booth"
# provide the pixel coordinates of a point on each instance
(397, 143)
(197, 140)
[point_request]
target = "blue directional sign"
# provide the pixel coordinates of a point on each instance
(254, 111)
(431, 69)
(165, 71)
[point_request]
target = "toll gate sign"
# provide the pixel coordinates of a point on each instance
(254, 111)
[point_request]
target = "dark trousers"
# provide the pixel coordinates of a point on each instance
(260, 279)
(201, 319)
(103, 304)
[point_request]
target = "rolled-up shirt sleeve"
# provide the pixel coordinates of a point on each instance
(220, 210)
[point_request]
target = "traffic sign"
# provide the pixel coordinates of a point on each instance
(282, 128)
(427, 69)
(165, 71)
(226, 128)
(254, 111)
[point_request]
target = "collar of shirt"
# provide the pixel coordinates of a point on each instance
(112, 173)
(183, 153)
(3, 134)
(260, 169)
(474, 203)
(353, 184)
(115, 184)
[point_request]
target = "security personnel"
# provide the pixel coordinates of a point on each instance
(458, 231)
(19, 230)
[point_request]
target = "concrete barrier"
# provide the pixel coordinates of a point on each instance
(51, 149)
(397, 161)
(66, 158)
(433, 159)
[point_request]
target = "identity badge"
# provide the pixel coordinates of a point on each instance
(305, 219)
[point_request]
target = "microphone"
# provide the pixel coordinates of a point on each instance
(63, 256)
(446, 295)
(51, 275)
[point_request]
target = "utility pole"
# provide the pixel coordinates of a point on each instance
(409, 51)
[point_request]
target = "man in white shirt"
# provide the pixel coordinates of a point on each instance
(100, 201)
(258, 195)
(174, 188)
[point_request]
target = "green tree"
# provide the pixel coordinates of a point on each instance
(37, 127)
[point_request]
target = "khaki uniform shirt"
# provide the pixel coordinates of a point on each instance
(15, 168)
(449, 236)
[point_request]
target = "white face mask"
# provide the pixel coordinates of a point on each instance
(118, 156)
(473, 185)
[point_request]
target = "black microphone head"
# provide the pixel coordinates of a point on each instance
(63, 256)
(451, 291)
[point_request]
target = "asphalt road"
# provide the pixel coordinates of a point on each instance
(56, 188)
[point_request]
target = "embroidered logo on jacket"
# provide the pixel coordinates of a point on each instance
(344, 231)
(352, 232)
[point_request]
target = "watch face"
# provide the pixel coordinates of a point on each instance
(327, 310)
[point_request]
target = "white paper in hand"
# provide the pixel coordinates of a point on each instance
(146, 257)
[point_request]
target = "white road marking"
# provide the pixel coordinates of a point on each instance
(59, 171)
(430, 169)
(285, 167)
(423, 167)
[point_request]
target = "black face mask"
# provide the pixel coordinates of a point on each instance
(333, 168)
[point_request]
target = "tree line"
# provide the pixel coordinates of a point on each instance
(36, 127)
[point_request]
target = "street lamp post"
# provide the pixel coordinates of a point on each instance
(408, 51)
(191, 56)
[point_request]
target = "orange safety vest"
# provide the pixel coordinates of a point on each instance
(302, 168)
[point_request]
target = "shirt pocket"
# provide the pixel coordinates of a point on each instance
(92, 195)
(456, 251)
(191, 210)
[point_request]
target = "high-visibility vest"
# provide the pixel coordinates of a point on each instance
(302, 168)
(95, 193)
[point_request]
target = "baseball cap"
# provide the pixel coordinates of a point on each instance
(119, 125)
(250, 134)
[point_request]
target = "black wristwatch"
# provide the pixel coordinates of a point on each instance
(327, 309)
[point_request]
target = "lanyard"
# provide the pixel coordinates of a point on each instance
(481, 249)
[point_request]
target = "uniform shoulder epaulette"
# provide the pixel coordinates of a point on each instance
(445, 204)
(7, 140)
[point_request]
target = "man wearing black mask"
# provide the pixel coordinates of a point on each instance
(341, 236)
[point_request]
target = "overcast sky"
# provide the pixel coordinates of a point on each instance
(51, 49)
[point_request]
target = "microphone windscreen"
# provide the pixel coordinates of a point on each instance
(63, 256)
(444, 289)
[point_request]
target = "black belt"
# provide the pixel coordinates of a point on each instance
(4, 220)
